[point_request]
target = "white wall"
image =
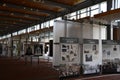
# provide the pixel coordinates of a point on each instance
(96, 32)
(58, 31)
(87, 31)
(73, 30)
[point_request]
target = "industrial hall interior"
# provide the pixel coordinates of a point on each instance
(59, 39)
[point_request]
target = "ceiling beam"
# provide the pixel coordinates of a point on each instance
(31, 4)
(33, 9)
(77, 7)
(52, 2)
(15, 20)
(11, 23)
(85, 4)
(22, 11)
(19, 17)
(53, 15)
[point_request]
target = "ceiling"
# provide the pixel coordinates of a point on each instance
(16, 15)
(109, 16)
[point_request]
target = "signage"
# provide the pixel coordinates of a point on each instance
(68, 40)
(90, 41)
(110, 42)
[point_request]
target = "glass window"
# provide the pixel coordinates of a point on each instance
(4, 37)
(37, 27)
(59, 18)
(94, 6)
(93, 12)
(22, 31)
(83, 15)
(83, 10)
(47, 24)
(15, 33)
(115, 4)
(118, 3)
(103, 7)
(28, 29)
(51, 22)
(73, 14)
(88, 11)
(72, 18)
(32, 28)
(42, 26)
(9, 35)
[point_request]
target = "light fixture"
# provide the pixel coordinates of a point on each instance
(11, 13)
(24, 7)
(41, 1)
(4, 4)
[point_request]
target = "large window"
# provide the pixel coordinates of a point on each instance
(42, 26)
(89, 11)
(72, 16)
(15, 33)
(4, 37)
(92, 10)
(37, 27)
(22, 31)
(59, 18)
(31, 29)
(83, 13)
(115, 4)
(9, 35)
(51, 22)
(103, 7)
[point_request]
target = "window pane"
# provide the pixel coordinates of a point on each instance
(48, 24)
(83, 10)
(73, 14)
(59, 18)
(94, 7)
(94, 12)
(103, 7)
(15, 33)
(42, 26)
(22, 31)
(83, 15)
(51, 22)
(37, 27)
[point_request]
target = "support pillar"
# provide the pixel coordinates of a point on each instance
(100, 49)
(11, 45)
(108, 32)
(109, 6)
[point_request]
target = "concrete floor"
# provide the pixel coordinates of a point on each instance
(16, 69)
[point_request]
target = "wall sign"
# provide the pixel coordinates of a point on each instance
(69, 49)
